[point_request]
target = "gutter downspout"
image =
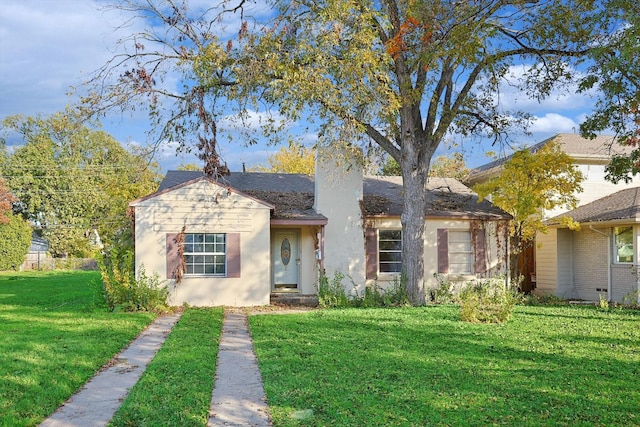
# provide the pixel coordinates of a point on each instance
(609, 263)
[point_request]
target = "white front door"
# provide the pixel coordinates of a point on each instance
(285, 259)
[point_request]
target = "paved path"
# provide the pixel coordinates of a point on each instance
(99, 399)
(238, 396)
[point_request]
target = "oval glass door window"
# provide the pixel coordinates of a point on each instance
(285, 251)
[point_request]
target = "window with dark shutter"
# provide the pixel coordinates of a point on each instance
(205, 254)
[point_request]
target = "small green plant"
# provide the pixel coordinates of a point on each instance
(123, 290)
(488, 301)
(332, 294)
(443, 294)
(545, 299)
(631, 300)
(603, 302)
(394, 295)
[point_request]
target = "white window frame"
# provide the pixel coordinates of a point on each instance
(391, 251)
(461, 260)
(205, 254)
(617, 246)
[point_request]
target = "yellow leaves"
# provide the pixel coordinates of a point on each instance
(531, 182)
(292, 159)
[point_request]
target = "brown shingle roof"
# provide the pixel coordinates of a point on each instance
(623, 206)
(292, 195)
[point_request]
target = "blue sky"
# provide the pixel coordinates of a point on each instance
(48, 46)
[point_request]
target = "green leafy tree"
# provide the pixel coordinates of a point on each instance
(292, 159)
(403, 74)
(528, 184)
(15, 239)
(73, 181)
(616, 74)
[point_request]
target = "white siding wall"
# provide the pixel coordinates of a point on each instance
(205, 207)
(594, 187)
(547, 262)
(566, 284)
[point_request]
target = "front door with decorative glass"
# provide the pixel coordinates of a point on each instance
(285, 260)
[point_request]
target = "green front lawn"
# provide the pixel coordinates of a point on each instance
(56, 333)
(176, 387)
(561, 366)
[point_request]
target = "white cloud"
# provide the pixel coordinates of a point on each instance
(553, 123)
(560, 99)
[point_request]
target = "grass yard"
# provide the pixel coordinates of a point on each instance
(56, 333)
(560, 366)
(176, 387)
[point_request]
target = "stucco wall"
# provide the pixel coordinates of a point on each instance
(338, 192)
(495, 250)
(205, 207)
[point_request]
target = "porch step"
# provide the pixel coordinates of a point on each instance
(294, 299)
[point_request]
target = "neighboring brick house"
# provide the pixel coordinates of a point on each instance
(599, 259)
(252, 237)
(560, 265)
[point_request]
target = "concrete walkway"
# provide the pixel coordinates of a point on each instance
(99, 399)
(238, 397)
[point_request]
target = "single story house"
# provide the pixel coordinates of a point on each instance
(599, 259)
(244, 239)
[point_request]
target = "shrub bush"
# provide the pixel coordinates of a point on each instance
(15, 239)
(546, 299)
(443, 294)
(122, 290)
(332, 294)
(488, 301)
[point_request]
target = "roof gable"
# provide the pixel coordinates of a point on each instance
(207, 196)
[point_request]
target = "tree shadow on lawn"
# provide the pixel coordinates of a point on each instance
(55, 337)
(449, 374)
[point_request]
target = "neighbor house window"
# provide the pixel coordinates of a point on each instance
(623, 244)
(205, 253)
(460, 252)
(390, 251)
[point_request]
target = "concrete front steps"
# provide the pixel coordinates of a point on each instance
(294, 299)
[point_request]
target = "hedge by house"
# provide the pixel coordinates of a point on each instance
(15, 239)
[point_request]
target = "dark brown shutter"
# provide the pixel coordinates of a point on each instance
(443, 250)
(233, 255)
(173, 255)
(479, 250)
(371, 252)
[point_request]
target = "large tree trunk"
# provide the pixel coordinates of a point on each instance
(414, 174)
